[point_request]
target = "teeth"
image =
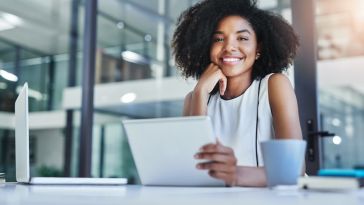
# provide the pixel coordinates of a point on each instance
(231, 59)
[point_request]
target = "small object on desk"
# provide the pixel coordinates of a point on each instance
(357, 173)
(321, 183)
(334, 179)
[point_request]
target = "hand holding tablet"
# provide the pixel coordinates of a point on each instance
(221, 164)
(163, 150)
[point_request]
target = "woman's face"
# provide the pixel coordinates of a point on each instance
(234, 46)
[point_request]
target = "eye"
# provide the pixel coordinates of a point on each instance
(243, 38)
(218, 39)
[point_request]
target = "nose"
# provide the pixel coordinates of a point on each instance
(230, 45)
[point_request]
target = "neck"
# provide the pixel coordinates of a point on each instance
(236, 86)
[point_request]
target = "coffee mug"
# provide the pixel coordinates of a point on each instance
(283, 160)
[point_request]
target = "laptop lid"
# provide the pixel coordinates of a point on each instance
(22, 152)
(22, 136)
(163, 150)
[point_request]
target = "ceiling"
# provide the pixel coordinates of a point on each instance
(44, 25)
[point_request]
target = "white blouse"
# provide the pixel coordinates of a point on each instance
(234, 122)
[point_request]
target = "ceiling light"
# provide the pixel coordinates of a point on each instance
(128, 98)
(336, 140)
(120, 25)
(134, 57)
(8, 76)
(9, 21)
(148, 37)
(15, 20)
(336, 122)
(4, 25)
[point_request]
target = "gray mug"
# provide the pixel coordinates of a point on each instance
(283, 160)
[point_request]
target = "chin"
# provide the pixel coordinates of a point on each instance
(233, 69)
(233, 73)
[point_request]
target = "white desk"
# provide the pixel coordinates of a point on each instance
(11, 193)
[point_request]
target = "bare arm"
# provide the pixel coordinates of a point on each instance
(196, 101)
(286, 124)
(284, 108)
(187, 104)
(251, 176)
(195, 104)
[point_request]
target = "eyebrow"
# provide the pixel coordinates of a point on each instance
(240, 31)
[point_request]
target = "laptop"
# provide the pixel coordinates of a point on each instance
(22, 152)
(163, 150)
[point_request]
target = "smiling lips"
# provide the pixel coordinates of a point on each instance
(231, 60)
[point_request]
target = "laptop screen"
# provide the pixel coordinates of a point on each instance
(22, 136)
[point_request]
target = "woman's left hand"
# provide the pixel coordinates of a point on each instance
(221, 162)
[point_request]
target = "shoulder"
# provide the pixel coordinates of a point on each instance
(280, 91)
(275, 82)
(279, 82)
(277, 78)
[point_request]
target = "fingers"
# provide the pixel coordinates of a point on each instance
(218, 175)
(226, 160)
(215, 166)
(213, 68)
(229, 159)
(221, 164)
(222, 79)
(217, 155)
(220, 171)
(222, 84)
(218, 147)
(210, 78)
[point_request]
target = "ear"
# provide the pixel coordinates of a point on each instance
(258, 53)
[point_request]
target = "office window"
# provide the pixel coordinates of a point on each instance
(341, 97)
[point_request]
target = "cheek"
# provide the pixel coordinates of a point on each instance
(251, 50)
(214, 52)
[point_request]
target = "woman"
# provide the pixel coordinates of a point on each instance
(238, 52)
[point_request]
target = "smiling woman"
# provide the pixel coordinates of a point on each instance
(237, 53)
(234, 49)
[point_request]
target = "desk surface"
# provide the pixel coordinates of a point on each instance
(11, 193)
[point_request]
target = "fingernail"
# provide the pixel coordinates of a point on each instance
(196, 156)
(198, 166)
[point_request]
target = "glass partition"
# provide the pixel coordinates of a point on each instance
(341, 91)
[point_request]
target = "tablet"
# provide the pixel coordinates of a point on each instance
(163, 150)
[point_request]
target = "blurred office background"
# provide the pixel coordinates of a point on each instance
(41, 42)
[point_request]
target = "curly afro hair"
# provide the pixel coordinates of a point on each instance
(192, 39)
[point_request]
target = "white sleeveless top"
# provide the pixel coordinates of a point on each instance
(234, 121)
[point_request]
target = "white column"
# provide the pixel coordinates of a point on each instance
(158, 68)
